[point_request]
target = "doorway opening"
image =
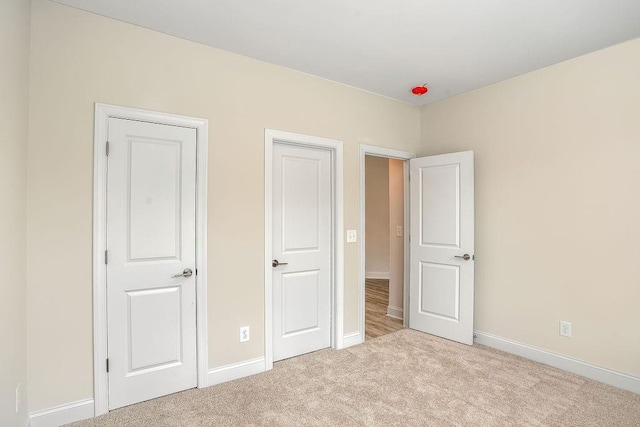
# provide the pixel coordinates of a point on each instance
(384, 245)
(384, 248)
(438, 288)
(384, 241)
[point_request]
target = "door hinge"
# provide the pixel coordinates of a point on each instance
(107, 148)
(107, 365)
(106, 257)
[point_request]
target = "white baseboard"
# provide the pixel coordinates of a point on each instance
(585, 369)
(234, 371)
(63, 414)
(395, 312)
(376, 275)
(351, 339)
(83, 409)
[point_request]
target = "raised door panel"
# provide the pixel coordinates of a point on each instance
(155, 332)
(300, 302)
(154, 201)
(440, 206)
(440, 290)
(300, 204)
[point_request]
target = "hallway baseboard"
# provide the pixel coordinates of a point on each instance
(376, 275)
(395, 312)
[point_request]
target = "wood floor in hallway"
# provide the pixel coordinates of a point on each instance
(377, 323)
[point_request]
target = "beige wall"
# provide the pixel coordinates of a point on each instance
(557, 203)
(396, 243)
(78, 59)
(556, 186)
(14, 114)
(376, 217)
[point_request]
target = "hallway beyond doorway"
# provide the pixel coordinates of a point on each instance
(377, 323)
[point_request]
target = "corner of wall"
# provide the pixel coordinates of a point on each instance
(15, 33)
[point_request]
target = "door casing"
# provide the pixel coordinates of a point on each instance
(371, 150)
(337, 280)
(103, 112)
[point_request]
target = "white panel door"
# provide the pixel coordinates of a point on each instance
(302, 223)
(442, 246)
(150, 239)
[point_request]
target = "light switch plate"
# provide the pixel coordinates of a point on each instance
(352, 236)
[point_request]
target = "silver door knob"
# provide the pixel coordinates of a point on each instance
(465, 257)
(186, 273)
(276, 263)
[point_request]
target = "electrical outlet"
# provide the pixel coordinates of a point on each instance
(244, 334)
(352, 236)
(565, 328)
(18, 398)
(398, 231)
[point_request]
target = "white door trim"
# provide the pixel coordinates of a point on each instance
(371, 150)
(102, 114)
(337, 282)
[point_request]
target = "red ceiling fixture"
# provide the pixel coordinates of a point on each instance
(420, 90)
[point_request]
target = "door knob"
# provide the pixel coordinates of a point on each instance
(465, 257)
(276, 263)
(186, 273)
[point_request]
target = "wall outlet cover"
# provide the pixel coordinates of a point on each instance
(565, 328)
(352, 236)
(244, 334)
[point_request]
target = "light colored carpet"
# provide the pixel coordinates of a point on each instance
(402, 379)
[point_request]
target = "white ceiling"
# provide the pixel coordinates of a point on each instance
(389, 46)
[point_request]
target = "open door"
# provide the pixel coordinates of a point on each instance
(442, 246)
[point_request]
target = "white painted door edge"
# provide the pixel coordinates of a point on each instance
(337, 292)
(370, 150)
(102, 114)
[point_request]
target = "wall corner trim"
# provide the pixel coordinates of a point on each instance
(234, 371)
(575, 366)
(63, 414)
(351, 339)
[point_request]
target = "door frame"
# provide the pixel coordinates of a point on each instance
(103, 112)
(337, 215)
(405, 156)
